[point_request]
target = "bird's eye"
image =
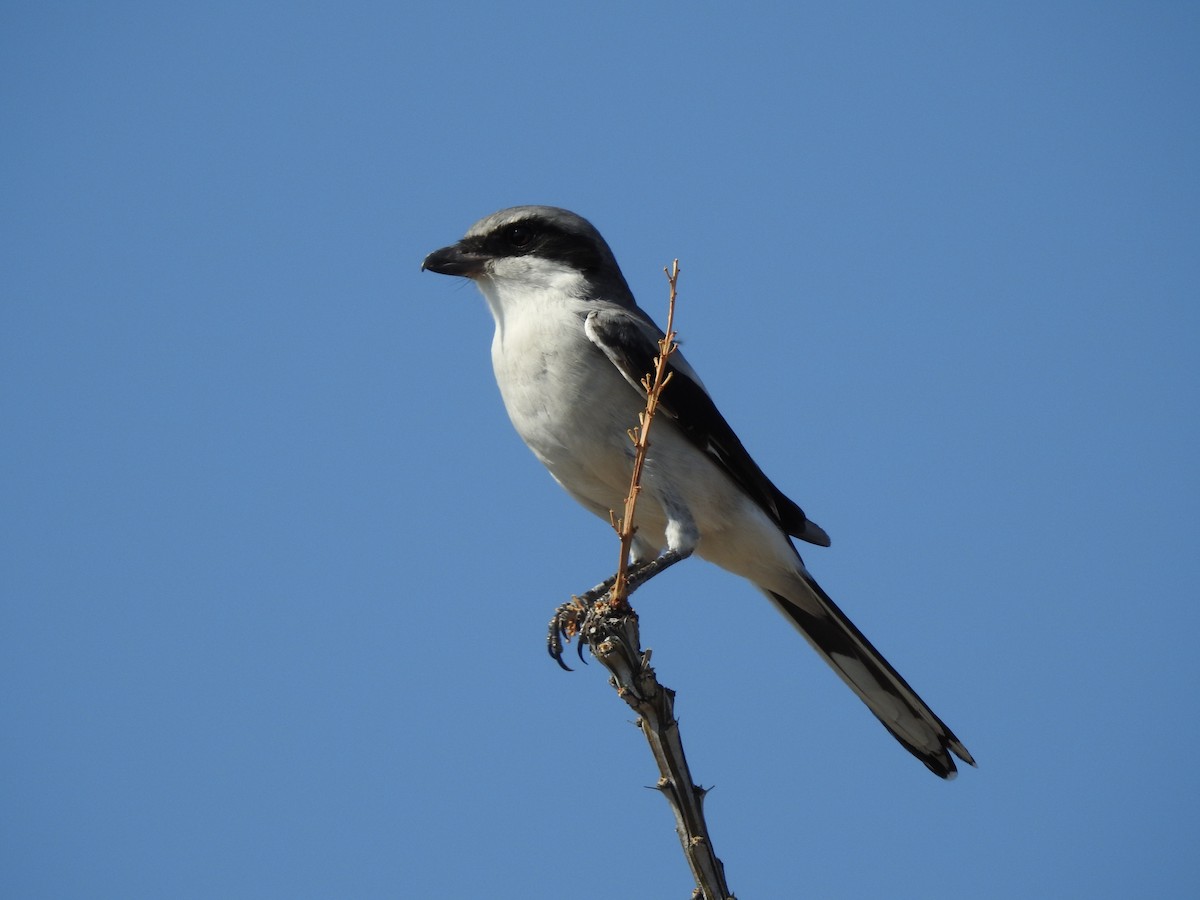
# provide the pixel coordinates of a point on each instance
(520, 236)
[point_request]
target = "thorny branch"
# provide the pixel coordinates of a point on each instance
(610, 628)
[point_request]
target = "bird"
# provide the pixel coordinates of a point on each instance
(570, 350)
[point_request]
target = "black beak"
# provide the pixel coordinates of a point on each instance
(454, 260)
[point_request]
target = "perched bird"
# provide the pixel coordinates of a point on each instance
(570, 350)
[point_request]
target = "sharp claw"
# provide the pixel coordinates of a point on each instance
(554, 644)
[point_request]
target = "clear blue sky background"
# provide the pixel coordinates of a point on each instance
(276, 571)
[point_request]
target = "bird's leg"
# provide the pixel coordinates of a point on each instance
(571, 618)
(643, 572)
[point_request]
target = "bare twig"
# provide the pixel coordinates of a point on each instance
(654, 383)
(610, 628)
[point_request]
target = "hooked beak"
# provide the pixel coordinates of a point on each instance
(454, 260)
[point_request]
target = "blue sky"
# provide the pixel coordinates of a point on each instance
(276, 570)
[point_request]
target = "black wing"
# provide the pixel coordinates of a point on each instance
(630, 343)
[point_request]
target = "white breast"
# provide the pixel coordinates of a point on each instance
(551, 377)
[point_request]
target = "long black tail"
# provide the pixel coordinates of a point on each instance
(872, 677)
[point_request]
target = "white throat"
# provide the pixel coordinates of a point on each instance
(524, 285)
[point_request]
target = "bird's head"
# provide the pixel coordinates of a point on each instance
(527, 249)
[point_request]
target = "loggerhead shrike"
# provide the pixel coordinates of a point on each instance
(570, 350)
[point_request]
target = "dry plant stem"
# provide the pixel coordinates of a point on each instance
(654, 383)
(611, 630)
(614, 639)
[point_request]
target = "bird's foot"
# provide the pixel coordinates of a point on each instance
(574, 617)
(588, 621)
(569, 620)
